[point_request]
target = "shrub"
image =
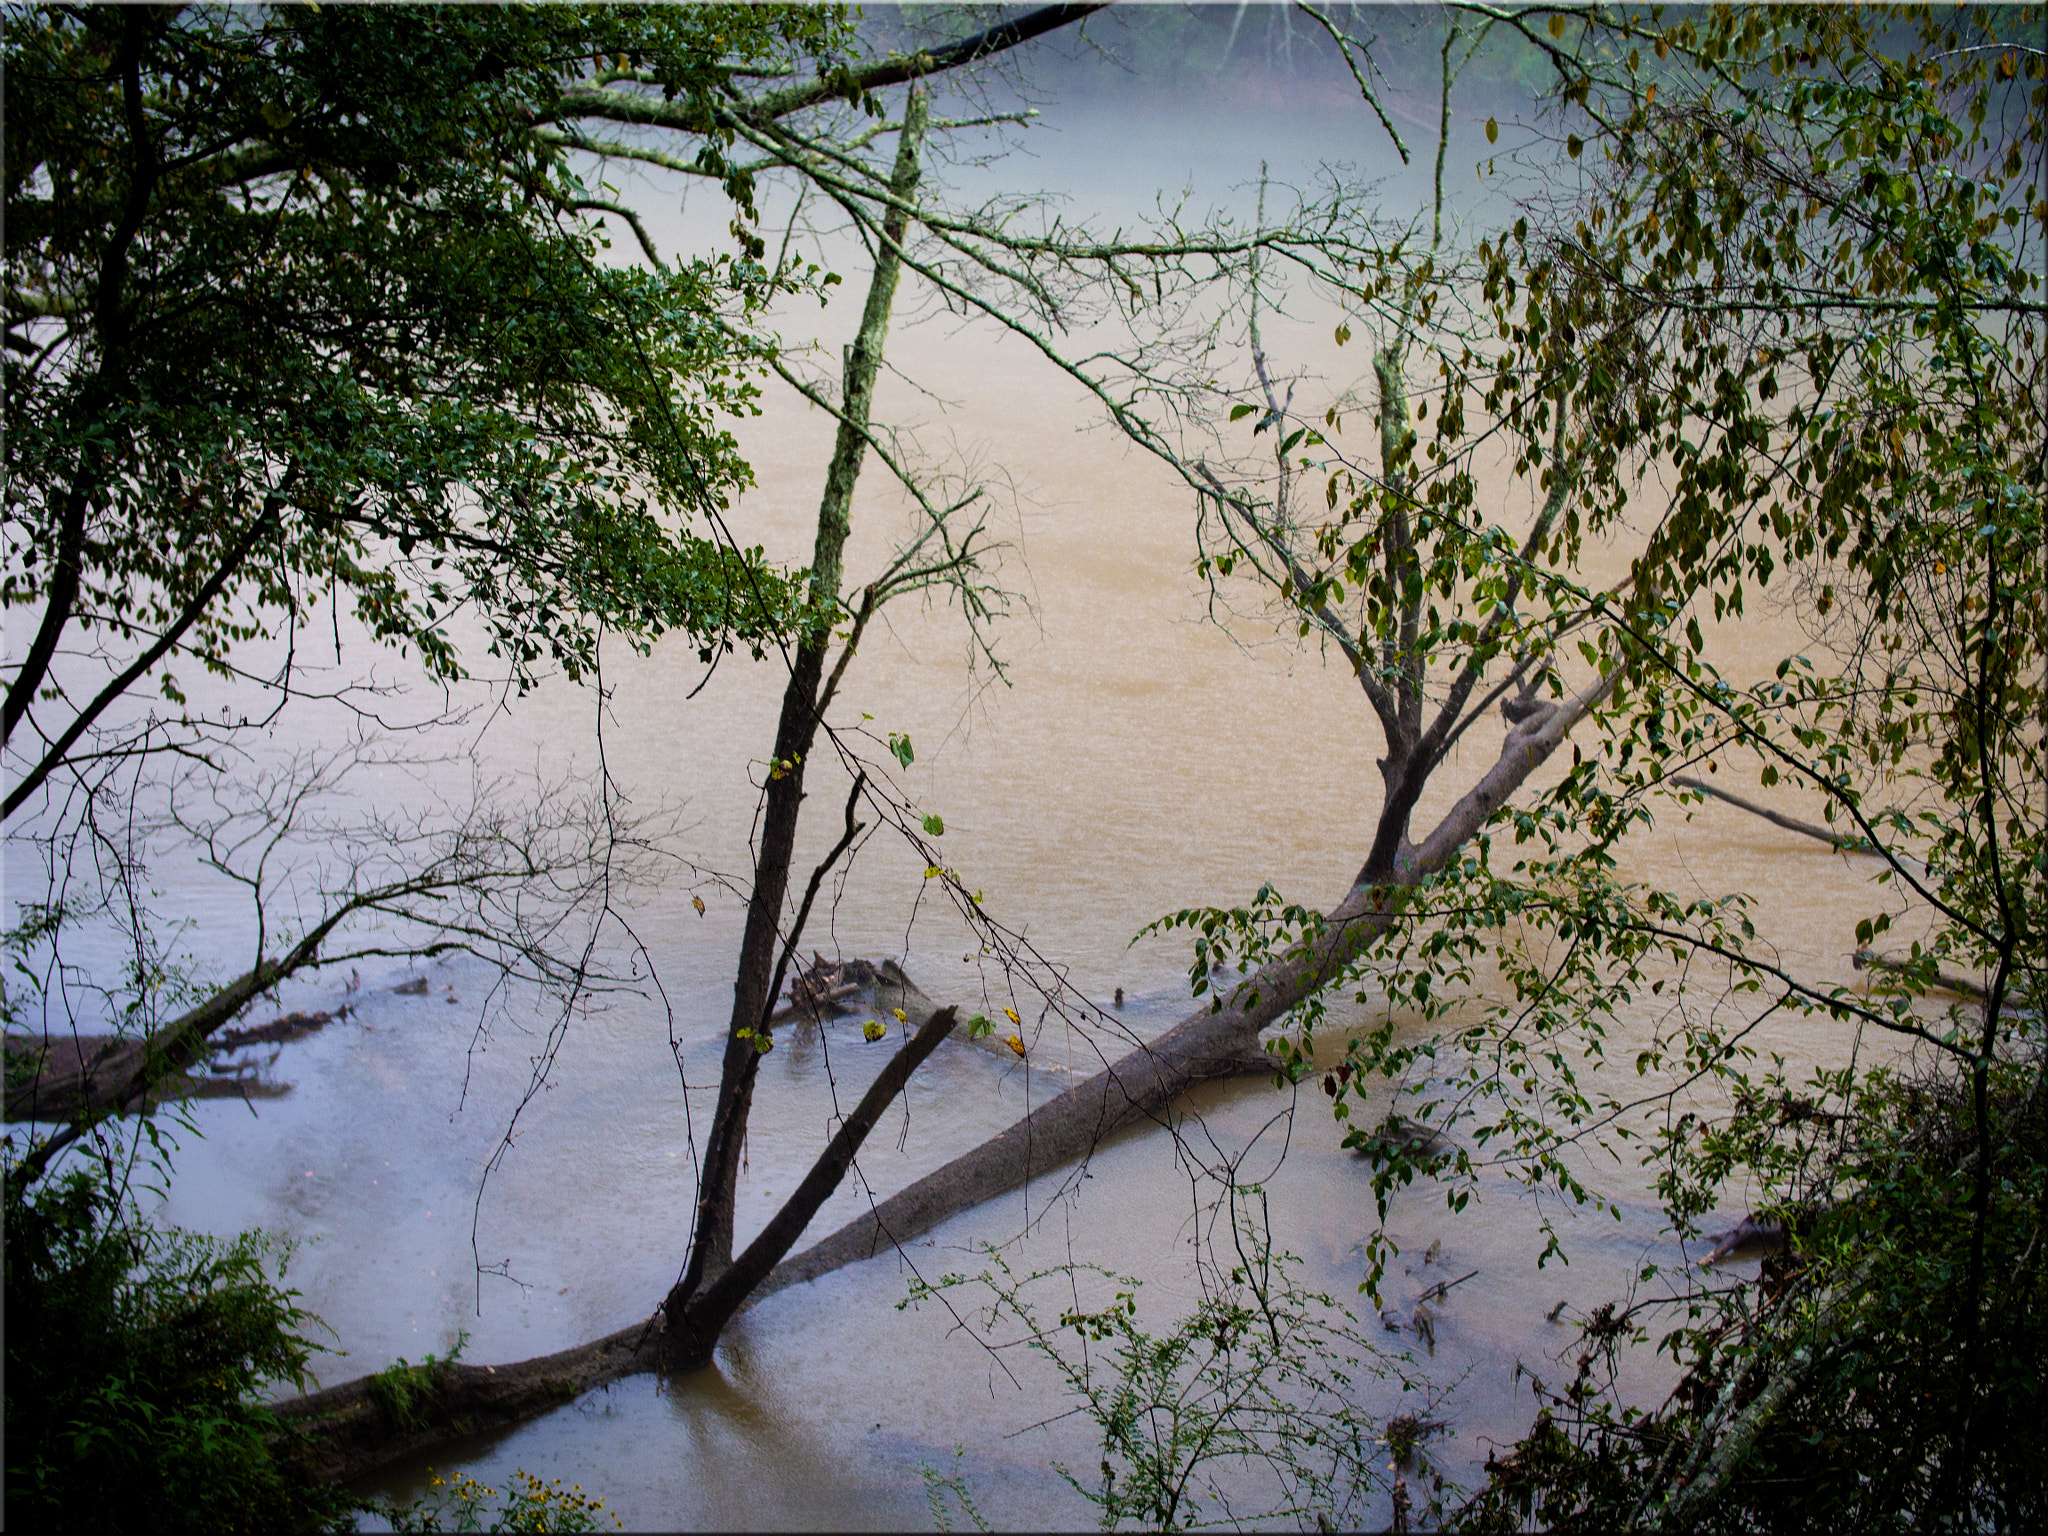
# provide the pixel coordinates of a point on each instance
(134, 1359)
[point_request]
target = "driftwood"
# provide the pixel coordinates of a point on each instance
(1749, 1238)
(1398, 1135)
(64, 1077)
(1962, 986)
(833, 989)
(293, 1026)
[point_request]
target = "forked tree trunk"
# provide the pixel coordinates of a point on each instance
(702, 1301)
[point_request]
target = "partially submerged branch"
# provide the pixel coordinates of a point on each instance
(1834, 839)
(1207, 1045)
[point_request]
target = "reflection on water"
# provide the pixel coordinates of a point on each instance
(1140, 761)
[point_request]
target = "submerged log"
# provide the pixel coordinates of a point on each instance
(1940, 980)
(353, 1429)
(1749, 1238)
(66, 1077)
(833, 989)
(1840, 842)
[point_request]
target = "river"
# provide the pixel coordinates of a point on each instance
(1138, 758)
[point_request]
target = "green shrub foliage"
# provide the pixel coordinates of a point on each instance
(134, 1361)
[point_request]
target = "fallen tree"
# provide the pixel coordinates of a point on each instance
(1211, 1043)
(349, 1430)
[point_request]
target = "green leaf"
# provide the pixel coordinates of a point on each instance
(900, 745)
(935, 825)
(1239, 412)
(1492, 131)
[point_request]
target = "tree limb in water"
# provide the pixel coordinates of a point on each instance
(345, 1433)
(1826, 835)
(1202, 1047)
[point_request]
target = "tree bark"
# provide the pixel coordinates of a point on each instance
(699, 1305)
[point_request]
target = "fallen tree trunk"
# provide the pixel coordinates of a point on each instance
(69, 1077)
(346, 1432)
(1207, 1045)
(1838, 841)
(354, 1429)
(1962, 986)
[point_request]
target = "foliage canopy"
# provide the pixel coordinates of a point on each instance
(300, 310)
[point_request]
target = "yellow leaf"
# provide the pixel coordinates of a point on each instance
(698, 903)
(1015, 1042)
(874, 1029)
(1492, 131)
(901, 1016)
(1013, 1016)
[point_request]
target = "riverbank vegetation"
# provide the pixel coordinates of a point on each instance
(1769, 329)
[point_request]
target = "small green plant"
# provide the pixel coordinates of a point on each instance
(1247, 1398)
(399, 1389)
(936, 1489)
(525, 1504)
(134, 1360)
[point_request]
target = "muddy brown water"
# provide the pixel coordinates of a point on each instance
(1139, 759)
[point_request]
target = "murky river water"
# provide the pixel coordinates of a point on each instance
(1140, 760)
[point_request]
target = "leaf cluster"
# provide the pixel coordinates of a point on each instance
(300, 306)
(1248, 1397)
